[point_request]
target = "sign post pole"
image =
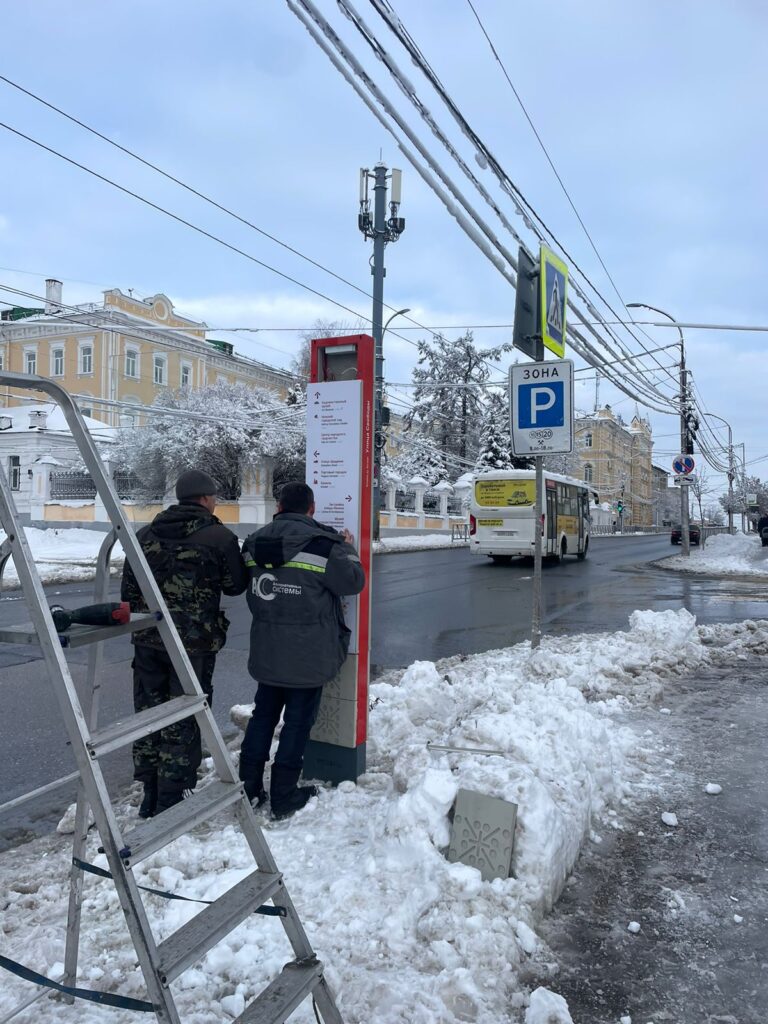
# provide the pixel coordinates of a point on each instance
(536, 614)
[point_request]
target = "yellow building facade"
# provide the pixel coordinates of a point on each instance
(616, 460)
(123, 351)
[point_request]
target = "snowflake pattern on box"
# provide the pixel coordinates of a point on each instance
(483, 833)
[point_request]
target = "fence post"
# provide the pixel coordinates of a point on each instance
(444, 490)
(41, 486)
(419, 486)
(391, 498)
(256, 505)
(462, 490)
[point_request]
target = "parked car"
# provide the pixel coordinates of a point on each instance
(694, 534)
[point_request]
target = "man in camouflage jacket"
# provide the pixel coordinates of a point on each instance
(194, 559)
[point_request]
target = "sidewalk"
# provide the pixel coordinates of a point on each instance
(577, 741)
(698, 890)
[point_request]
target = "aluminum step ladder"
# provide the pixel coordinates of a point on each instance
(161, 963)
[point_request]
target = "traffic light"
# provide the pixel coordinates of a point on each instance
(691, 429)
(620, 507)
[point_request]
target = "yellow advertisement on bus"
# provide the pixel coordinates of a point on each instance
(505, 493)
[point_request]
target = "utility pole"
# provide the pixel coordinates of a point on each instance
(381, 229)
(685, 518)
(731, 467)
(686, 441)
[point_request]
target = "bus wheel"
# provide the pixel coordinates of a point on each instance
(501, 559)
(583, 554)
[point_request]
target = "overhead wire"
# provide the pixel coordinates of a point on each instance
(529, 214)
(321, 31)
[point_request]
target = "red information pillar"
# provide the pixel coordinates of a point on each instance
(340, 472)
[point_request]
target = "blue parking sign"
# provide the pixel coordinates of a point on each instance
(541, 405)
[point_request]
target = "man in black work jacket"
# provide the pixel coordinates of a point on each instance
(299, 571)
(194, 559)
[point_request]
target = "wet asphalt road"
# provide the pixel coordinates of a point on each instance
(426, 605)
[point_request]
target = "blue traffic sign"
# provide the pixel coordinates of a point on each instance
(683, 465)
(541, 405)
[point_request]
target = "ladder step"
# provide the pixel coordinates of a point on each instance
(193, 940)
(155, 833)
(121, 733)
(281, 997)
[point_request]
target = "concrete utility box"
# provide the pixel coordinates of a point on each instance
(483, 833)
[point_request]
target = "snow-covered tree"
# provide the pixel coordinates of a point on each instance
(495, 443)
(419, 457)
(247, 424)
(448, 398)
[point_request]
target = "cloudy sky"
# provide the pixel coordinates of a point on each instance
(653, 114)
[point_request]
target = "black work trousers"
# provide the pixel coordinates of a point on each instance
(173, 755)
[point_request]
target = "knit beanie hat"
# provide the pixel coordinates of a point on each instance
(195, 484)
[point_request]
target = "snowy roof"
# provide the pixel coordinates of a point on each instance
(55, 423)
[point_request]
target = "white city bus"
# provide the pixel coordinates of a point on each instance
(502, 516)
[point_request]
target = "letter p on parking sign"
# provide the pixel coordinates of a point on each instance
(541, 407)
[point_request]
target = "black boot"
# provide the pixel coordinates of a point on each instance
(169, 793)
(285, 796)
(252, 776)
(148, 804)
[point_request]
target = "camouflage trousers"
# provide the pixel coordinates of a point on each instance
(173, 755)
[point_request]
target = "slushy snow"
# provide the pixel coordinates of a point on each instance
(739, 554)
(407, 937)
(416, 542)
(669, 818)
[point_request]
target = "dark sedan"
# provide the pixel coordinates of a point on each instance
(694, 534)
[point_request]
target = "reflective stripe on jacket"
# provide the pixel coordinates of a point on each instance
(299, 570)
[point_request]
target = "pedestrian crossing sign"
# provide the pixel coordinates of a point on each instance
(553, 284)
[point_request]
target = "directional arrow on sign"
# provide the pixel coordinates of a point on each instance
(316, 454)
(349, 497)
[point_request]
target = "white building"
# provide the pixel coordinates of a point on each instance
(36, 440)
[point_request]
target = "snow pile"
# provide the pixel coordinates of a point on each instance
(407, 937)
(736, 554)
(414, 542)
(62, 555)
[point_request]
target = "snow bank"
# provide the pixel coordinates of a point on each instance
(407, 937)
(422, 542)
(736, 554)
(62, 555)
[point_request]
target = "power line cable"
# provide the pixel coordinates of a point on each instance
(387, 13)
(338, 54)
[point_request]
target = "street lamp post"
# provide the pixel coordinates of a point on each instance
(685, 540)
(382, 416)
(743, 486)
(730, 468)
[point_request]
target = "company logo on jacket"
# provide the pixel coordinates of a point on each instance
(267, 587)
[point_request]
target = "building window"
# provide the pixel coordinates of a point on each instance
(86, 359)
(30, 361)
(588, 473)
(131, 362)
(57, 362)
(14, 472)
(186, 375)
(2, 361)
(160, 365)
(587, 440)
